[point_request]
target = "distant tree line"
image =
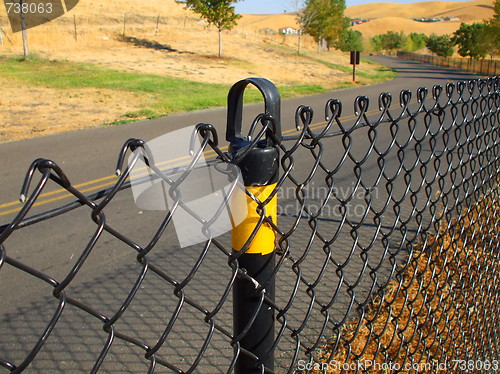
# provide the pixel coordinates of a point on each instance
(441, 45)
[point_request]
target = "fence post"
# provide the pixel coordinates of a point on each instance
(253, 316)
(157, 24)
(75, 32)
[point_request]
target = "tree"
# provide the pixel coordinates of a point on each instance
(441, 45)
(23, 30)
(376, 43)
(468, 39)
(324, 20)
(219, 13)
(301, 22)
(393, 40)
(490, 35)
(490, 39)
(351, 40)
(389, 41)
(415, 41)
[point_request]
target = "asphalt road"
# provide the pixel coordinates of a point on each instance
(88, 157)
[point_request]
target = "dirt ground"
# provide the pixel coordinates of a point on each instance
(27, 111)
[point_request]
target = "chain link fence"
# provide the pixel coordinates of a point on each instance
(488, 67)
(369, 246)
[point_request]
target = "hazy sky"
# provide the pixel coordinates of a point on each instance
(278, 6)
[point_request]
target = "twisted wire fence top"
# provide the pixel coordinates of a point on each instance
(387, 251)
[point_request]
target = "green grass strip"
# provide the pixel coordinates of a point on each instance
(380, 74)
(163, 94)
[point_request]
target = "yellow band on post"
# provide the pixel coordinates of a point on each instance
(264, 241)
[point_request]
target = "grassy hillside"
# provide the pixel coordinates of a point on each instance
(401, 14)
(467, 11)
(133, 59)
(115, 8)
(158, 43)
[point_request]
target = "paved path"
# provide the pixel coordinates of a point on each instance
(89, 156)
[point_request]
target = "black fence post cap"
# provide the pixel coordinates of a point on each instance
(272, 101)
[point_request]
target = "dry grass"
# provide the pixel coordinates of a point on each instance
(443, 307)
(33, 111)
(182, 47)
(192, 45)
(189, 53)
(401, 14)
(468, 11)
(100, 23)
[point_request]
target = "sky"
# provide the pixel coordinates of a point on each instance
(279, 6)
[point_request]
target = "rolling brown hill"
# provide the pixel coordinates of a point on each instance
(467, 11)
(401, 16)
(399, 20)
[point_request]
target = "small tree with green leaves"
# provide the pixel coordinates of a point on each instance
(469, 42)
(351, 40)
(441, 45)
(490, 35)
(415, 41)
(389, 41)
(219, 13)
(376, 43)
(393, 40)
(324, 20)
(300, 18)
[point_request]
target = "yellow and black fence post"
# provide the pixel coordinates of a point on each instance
(254, 239)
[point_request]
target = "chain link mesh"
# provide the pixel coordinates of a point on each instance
(387, 253)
